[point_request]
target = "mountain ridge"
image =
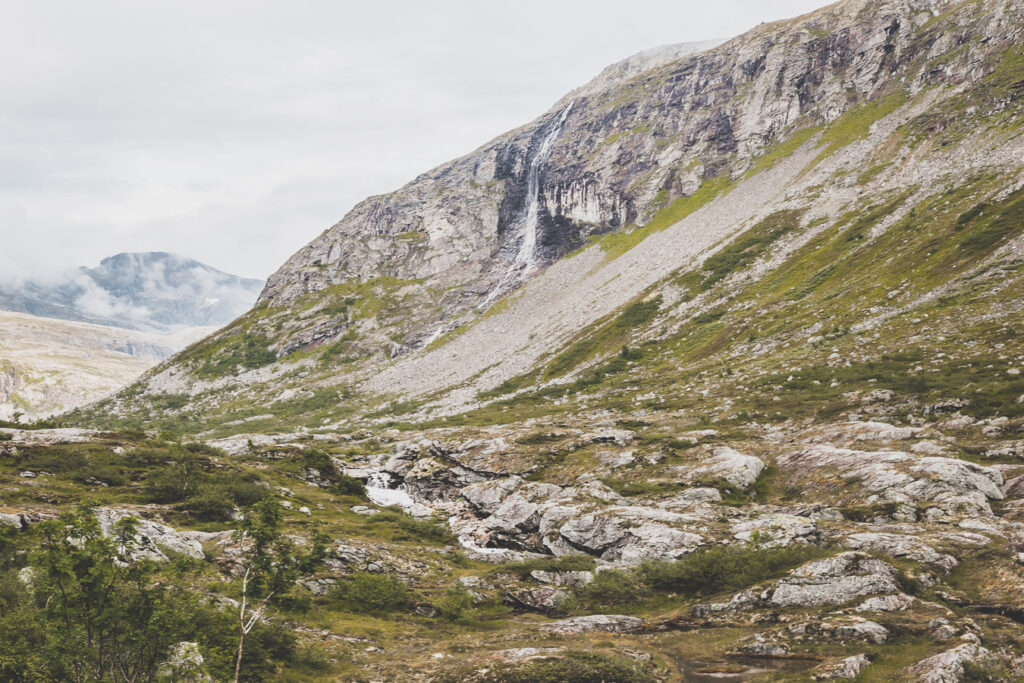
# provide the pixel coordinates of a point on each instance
(146, 291)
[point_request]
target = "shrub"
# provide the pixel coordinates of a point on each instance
(365, 592)
(210, 506)
(408, 528)
(611, 588)
(724, 568)
(570, 667)
(567, 563)
(345, 485)
(456, 604)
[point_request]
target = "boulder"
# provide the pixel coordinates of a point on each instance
(759, 645)
(730, 466)
(948, 666)
(844, 669)
(545, 599)
(776, 530)
(897, 602)
(629, 535)
(834, 581)
(692, 497)
(899, 545)
(151, 538)
(607, 623)
(575, 579)
(486, 496)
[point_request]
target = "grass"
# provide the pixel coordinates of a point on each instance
(615, 244)
(856, 123)
(749, 246)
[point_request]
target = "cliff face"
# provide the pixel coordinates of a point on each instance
(483, 270)
(629, 147)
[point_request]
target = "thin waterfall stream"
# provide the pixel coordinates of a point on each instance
(526, 256)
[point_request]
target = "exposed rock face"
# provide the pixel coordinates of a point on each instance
(897, 545)
(151, 538)
(954, 486)
(948, 666)
(609, 623)
(730, 466)
(641, 135)
(844, 669)
(835, 581)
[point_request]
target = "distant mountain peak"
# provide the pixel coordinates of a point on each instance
(153, 291)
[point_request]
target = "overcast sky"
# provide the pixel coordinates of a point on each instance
(236, 131)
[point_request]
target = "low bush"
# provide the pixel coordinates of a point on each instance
(456, 604)
(570, 667)
(567, 563)
(409, 528)
(364, 592)
(724, 568)
(611, 588)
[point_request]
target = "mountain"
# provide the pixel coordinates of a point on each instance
(152, 291)
(711, 372)
(486, 269)
(49, 366)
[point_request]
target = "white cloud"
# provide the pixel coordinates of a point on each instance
(234, 132)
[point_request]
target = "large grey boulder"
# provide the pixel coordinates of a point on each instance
(731, 466)
(776, 530)
(151, 538)
(544, 599)
(835, 581)
(844, 669)
(608, 623)
(948, 666)
(630, 535)
(899, 545)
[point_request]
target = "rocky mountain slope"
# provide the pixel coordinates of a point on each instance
(153, 291)
(50, 366)
(711, 373)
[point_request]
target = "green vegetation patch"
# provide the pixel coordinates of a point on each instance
(749, 246)
(568, 667)
(615, 244)
(856, 123)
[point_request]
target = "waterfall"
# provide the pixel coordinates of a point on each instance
(529, 246)
(526, 255)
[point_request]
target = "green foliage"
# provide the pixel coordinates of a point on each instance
(539, 438)
(456, 604)
(364, 592)
(856, 123)
(611, 588)
(568, 667)
(617, 243)
(748, 247)
(632, 316)
(566, 563)
(724, 568)
(708, 317)
(1001, 222)
(225, 356)
(342, 484)
(203, 491)
(405, 527)
(93, 614)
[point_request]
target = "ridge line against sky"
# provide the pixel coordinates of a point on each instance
(235, 132)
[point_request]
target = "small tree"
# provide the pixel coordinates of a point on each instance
(115, 622)
(270, 566)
